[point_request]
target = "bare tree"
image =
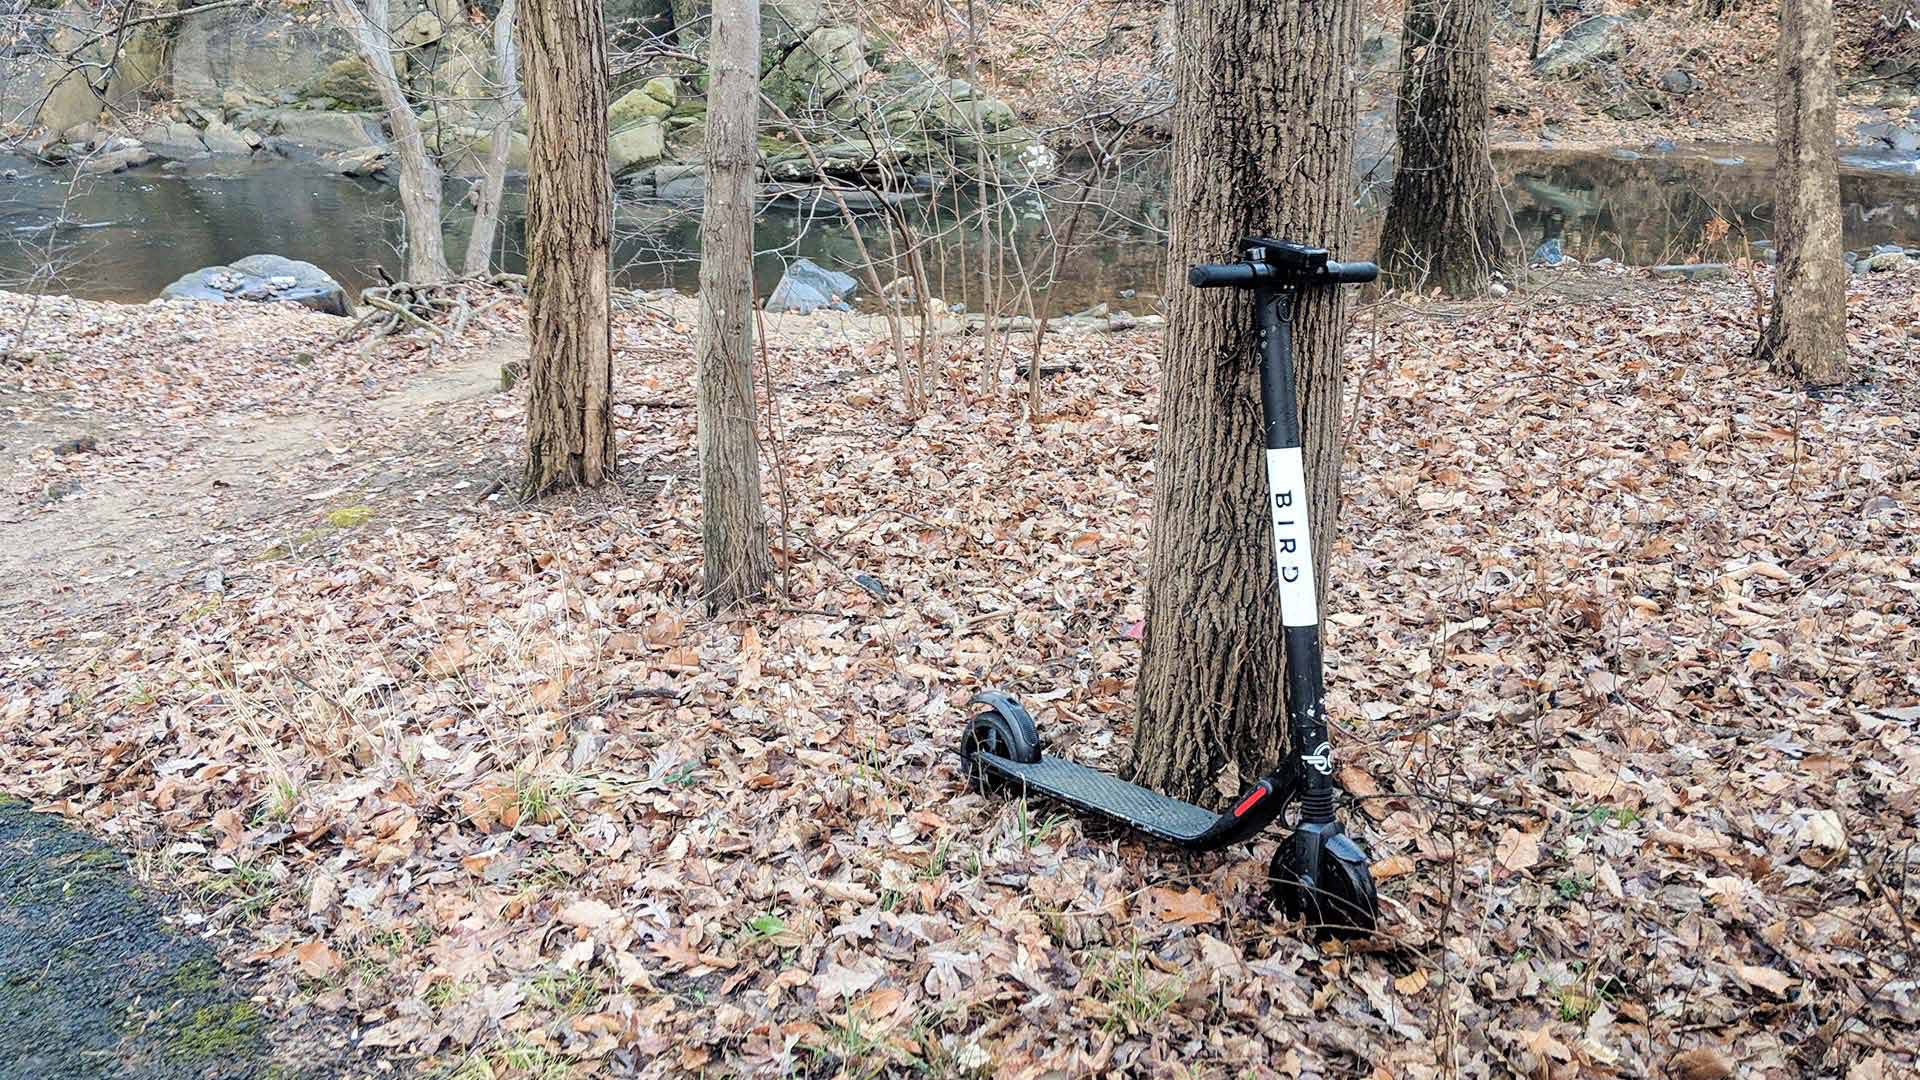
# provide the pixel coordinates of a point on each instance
(732, 519)
(1441, 226)
(1263, 145)
(569, 233)
(1806, 334)
(370, 26)
(493, 182)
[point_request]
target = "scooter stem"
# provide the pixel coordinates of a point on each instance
(1288, 499)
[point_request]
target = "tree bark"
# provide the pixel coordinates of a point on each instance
(733, 521)
(1263, 145)
(1442, 229)
(486, 215)
(425, 256)
(569, 229)
(1806, 334)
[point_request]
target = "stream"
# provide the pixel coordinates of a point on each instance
(125, 236)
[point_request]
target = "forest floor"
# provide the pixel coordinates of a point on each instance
(1059, 62)
(1622, 655)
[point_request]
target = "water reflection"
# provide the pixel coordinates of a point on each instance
(124, 237)
(1657, 208)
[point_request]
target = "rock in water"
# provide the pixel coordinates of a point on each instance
(116, 160)
(263, 278)
(807, 287)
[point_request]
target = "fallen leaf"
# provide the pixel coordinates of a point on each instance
(587, 914)
(317, 959)
(1823, 840)
(1393, 866)
(1700, 1063)
(1517, 850)
(1764, 978)
(1186, 907)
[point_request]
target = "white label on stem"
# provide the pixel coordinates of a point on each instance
(1292, 546)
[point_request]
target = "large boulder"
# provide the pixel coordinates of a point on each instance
(346, 81)
(466, 150)
(652, 100)
(49, 79)
(1584, 44)
(683, 184)
(321, 130)
(635, 147)
(221, 137)
(847, 159)
(261, 51)
(819, 69)
(141, 69)
(115, 159)
(263, 278)
(176, 139)
(423, 29)
(807, 287)
(68, 102)
(948, 107)
(1016, 155)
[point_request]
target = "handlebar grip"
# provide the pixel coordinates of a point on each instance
(1220, 275)
(1352, 273)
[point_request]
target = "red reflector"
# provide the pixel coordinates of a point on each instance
(1253, 796)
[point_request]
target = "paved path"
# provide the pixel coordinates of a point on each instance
(95, 984)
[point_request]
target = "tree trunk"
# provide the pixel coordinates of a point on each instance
(1263, 145)
(1806, 335)
(426, 257)
(569, 227)
(1442, 228)
(733, 522)
(486, 215)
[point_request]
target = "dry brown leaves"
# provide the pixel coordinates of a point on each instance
(1622, 652)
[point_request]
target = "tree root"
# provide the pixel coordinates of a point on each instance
(443, 309)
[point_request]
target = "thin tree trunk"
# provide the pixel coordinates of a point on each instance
(1441, 227)
(486, 216)
(1263, 145)
(1806, 335)
(733, 520)
(426, 257)
(569, 228)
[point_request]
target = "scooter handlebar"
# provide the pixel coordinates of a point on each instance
(1222, 275)
(1352, 273)
(1243, 275)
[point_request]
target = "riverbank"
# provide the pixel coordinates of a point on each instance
(1025, 88)
(1619, 633)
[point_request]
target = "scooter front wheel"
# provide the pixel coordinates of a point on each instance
(1320, 875)
(1004, 730)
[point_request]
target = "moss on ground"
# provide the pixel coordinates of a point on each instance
(224, 1030)
(348, 517)
(196, 976)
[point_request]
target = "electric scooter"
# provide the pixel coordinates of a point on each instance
(1318, 873)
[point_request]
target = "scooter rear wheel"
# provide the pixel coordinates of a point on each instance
(1007, 733)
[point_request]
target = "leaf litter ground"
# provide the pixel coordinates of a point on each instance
(1622, 656)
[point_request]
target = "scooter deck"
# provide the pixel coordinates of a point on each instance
(1090, 789)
